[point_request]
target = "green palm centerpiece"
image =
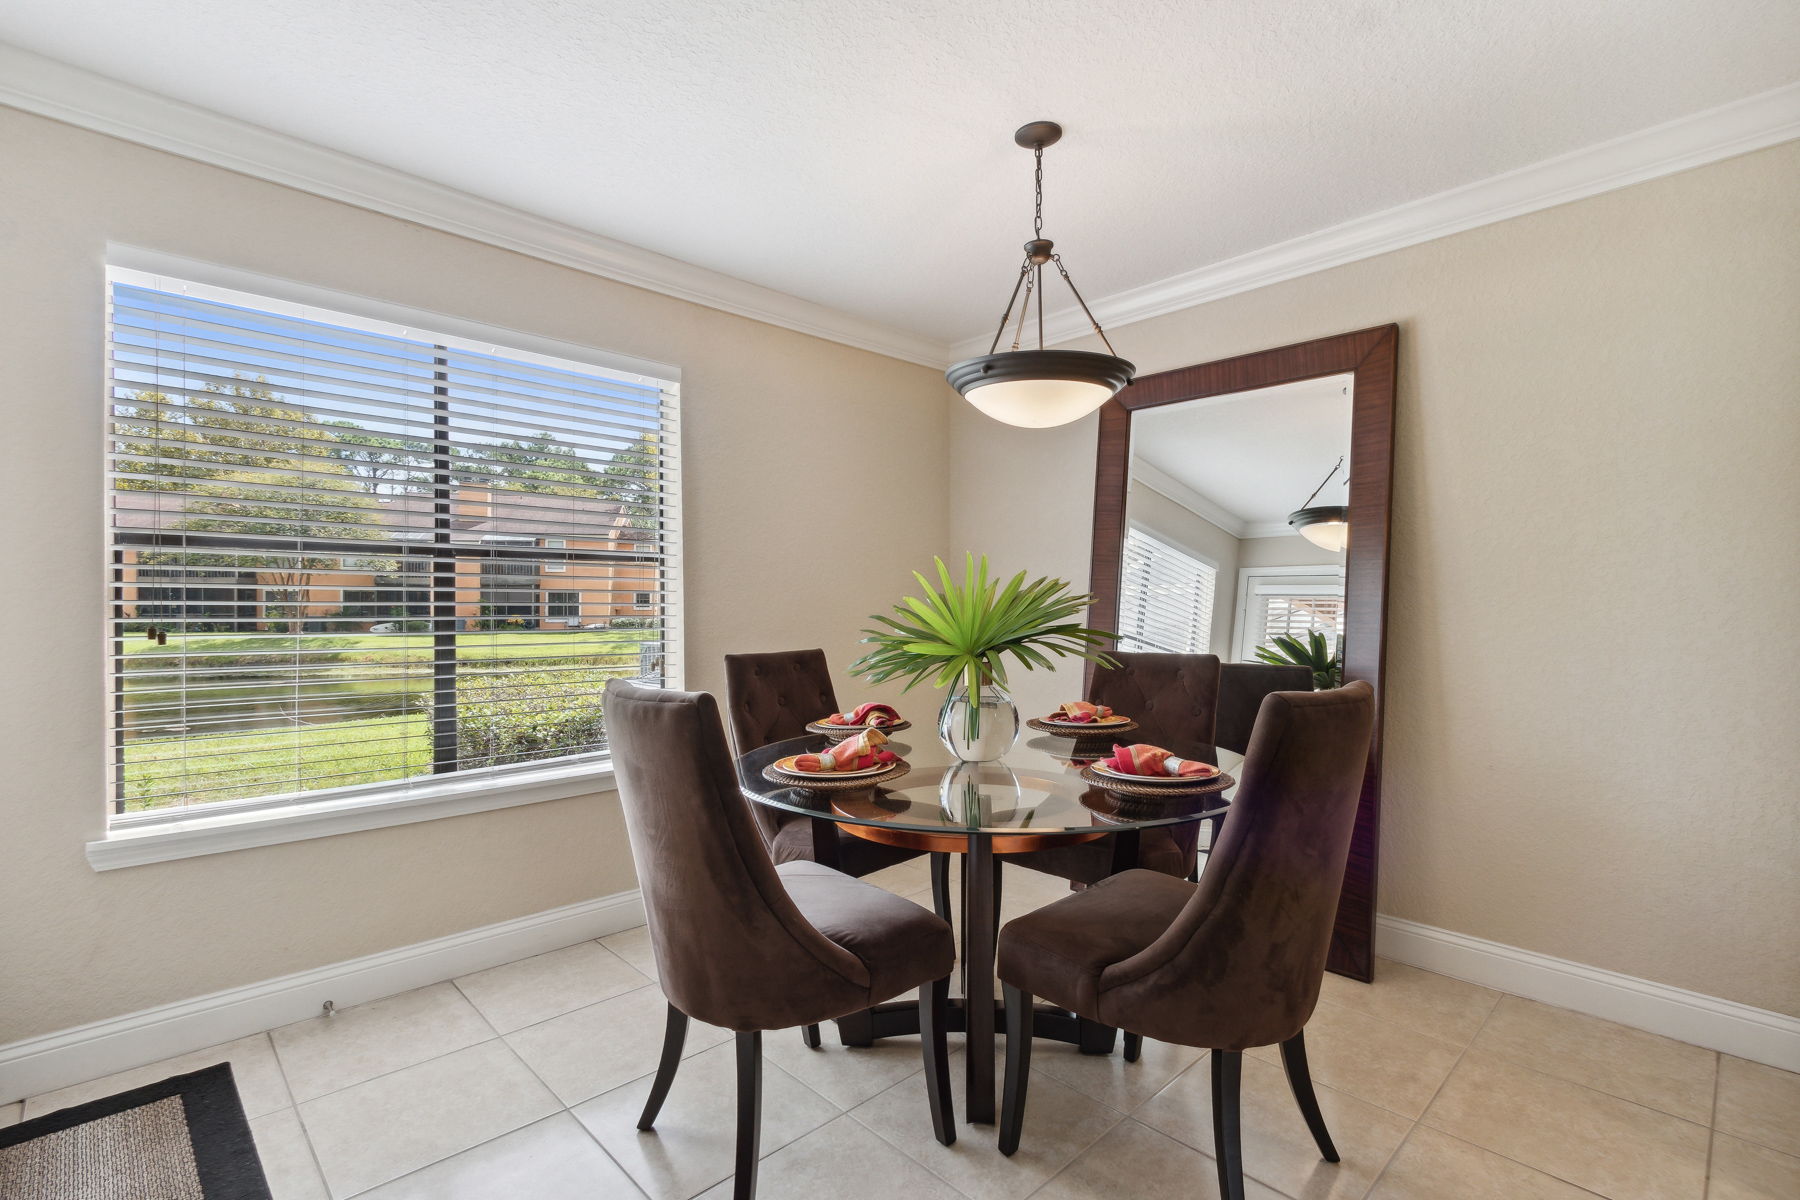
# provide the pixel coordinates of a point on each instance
(958, 635)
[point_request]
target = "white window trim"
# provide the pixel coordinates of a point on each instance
(329, 812)
(365, 807)
(1247, 576)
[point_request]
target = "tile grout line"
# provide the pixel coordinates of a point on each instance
(1436, 1092)
(1507, 1157)
(1712, 1126)
(312, 1151)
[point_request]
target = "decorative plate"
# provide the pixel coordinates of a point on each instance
(840, 732)
(1100, 768)
(786, 767)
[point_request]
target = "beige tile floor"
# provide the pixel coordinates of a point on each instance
(526, 1080)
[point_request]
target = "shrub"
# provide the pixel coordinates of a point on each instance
(511, 718)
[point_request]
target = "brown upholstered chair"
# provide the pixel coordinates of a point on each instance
(1231, 962)
(770, 698)
(1242, 687)
(1172, 697)
(740, 942)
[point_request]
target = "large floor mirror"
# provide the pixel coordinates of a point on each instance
(1242, 502)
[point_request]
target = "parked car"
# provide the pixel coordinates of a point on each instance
(385, 627)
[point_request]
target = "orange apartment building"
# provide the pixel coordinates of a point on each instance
(510, 559)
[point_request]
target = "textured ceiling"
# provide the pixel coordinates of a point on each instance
(859, 155)
(1257, 455)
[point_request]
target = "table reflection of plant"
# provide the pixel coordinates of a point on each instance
(973, 794)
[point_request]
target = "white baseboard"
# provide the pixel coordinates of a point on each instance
(70, 1056)
(1753, 1033)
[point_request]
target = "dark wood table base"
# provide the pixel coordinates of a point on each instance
(901, 1018)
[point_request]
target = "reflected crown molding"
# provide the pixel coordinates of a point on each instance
(1753, 123)
(1171, 488)
(82, 98)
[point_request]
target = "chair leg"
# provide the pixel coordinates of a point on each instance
(1228, 1150)
(1134, 1046)
(674, 1035)
(749, 1114)
(940, 885)
(1293, 1057)
(934, 1019)
(1018, 1067)
(810, 1035)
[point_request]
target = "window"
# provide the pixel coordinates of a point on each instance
(327, 538)
(556, 563)
(1289, 601)
(642, 599)
(1165, 597)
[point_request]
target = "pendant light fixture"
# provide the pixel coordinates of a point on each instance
(1039, 388)
(1327, 525)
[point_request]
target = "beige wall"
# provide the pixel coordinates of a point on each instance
(1591, 747)
(767, 569)
(1293, 551)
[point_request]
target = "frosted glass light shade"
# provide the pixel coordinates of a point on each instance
(1036, 389)
(1327, 527)
(1038, 403)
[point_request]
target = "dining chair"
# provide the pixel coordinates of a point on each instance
(772, 697)
(745, 944)
(1242, 687)
(1173, 698)
(1227, 964)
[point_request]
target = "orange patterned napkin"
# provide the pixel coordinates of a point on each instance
(1081, 712)
(1154, 760)
(870, 715)
(851, 754)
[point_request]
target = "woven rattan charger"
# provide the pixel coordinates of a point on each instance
(823, 782)
(1080, 731)
(1154, 791)
(840, 732)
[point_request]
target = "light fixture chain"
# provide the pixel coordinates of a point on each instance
(1037, 215)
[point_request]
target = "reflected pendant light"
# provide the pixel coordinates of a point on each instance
(1326, 525)
(1039, 388)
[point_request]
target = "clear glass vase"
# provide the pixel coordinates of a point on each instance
(978, 731)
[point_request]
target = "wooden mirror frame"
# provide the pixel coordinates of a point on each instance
(1371, 354)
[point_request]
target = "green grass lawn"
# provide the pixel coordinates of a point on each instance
(267, 763)
(358, 705)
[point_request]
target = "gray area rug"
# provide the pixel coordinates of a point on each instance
(183, 1138)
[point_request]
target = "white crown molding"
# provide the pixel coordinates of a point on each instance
(70, 1056)
(1753, 1033)
(1731, 129)
(1171, 488)
(53, 89)
(1268, 529)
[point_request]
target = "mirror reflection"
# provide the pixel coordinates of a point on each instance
(1236, 526)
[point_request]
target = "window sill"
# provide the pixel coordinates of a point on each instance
(223, 832)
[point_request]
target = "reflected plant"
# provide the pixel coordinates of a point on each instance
(1316, 654)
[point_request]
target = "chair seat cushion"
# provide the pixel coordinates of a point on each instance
(856, 856)
(900, 944)
(1059, 951)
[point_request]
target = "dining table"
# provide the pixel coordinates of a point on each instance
(1032, 798)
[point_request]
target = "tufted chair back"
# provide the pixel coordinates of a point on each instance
(770, 698)
(1173, 697)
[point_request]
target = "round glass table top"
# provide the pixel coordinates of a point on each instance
(1036, 789)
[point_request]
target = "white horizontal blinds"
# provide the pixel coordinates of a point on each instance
(344, 554)
(1165, 598)
(1294, 609)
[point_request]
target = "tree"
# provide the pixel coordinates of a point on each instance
(232, 455)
